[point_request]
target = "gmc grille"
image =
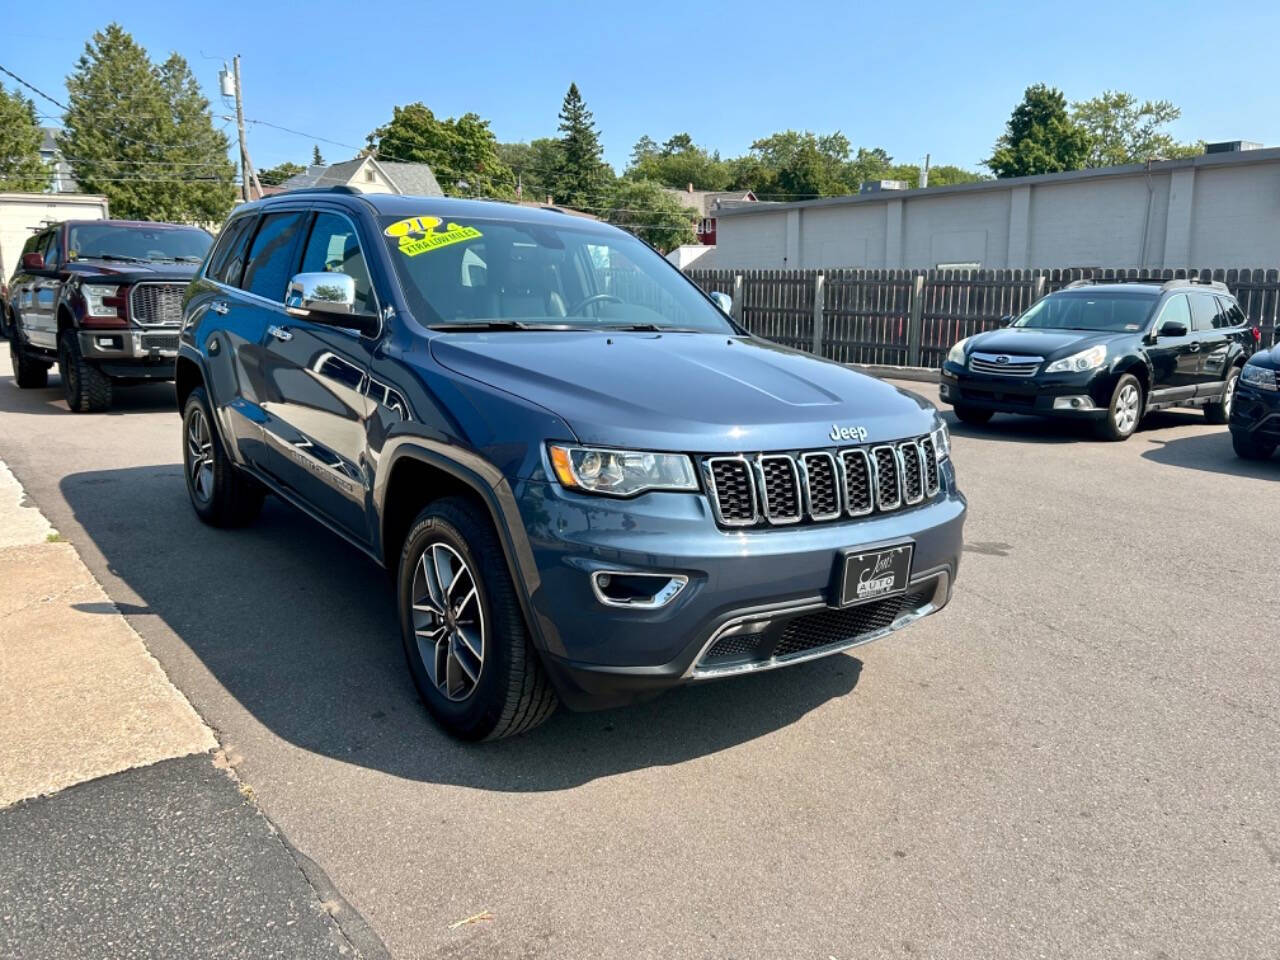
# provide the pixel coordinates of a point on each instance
(156, 304)
(820, 485)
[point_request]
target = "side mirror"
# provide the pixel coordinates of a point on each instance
(1172, 328)
(328, 298)
(723, 301)
(33, 262)
(1006, 319)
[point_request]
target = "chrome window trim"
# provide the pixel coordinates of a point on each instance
(871, 481)
(902, 472)
(806, 487)
(875, 467)
(708, 475)
(764, 488)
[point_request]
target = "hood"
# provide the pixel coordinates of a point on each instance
(1267, 358)
(697, 393)
(1040, 343)
(120, 271)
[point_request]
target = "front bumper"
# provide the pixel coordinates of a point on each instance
(1075, 395)
(754, 599)
(1256, 413)
(132, 352)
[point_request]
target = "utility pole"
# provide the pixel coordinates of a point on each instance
(924, 174)
(247, 173)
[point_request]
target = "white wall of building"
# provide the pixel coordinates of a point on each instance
(1218, 210)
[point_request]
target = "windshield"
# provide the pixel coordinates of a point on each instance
(489, 272)
(98, 241)
(1115, 311)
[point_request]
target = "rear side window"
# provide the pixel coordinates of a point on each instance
(1204, 311)
(1231, 315)
(227, 261)
(271, 259)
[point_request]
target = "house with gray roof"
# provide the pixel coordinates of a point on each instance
(368, 175)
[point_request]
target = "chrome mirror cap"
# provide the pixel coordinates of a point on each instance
(330, 292)
(723, 301)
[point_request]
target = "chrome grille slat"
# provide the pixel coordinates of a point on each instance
(887, 472)
(858, 491)
(156, 304)
(731, 483)
(911, 484)
(779, 488)
(1013, 365)
(929, 457)
(821, 485)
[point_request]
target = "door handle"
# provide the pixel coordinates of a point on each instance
(280, 333)
(1195, 348)
(220, 307)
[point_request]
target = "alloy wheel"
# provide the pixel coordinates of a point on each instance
(200, 456)
(1127, 408)
(448, 621)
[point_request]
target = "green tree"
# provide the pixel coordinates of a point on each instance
(1122, 130)
(316, 159)
(142, 135)
(20, 165)
(278, 174)
(946, 174)
(647, 209)
(462, 152)
(678, 163)
(1040, 137)
(536, 165)
(583, 175)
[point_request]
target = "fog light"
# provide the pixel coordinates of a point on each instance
(1073, 403)
(618, 588)
(108, 343)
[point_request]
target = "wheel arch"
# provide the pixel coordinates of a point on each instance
(188, 375)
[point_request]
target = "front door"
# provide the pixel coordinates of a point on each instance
(316, 377)
(1175, 360)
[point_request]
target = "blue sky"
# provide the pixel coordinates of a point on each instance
(913, 78)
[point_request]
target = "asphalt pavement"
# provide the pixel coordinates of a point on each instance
(1079, 757)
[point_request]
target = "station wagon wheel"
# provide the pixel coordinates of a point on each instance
(1220, 411)
(448, 621)
(200, 456)
(1125, 410)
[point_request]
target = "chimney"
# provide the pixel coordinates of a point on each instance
(690, 188)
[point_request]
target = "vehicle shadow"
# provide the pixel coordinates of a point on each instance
(125, 399)
(301, 629)
(1213, 453)
(1013, 428)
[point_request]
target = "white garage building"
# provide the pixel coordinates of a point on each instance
(1220, 209)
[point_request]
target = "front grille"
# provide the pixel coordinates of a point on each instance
(1004, 365)
(821, 485)
(829, 627)
(156, 304)
(160, 341)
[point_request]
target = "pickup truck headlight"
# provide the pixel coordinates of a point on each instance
(95, 295)
(621, 473)
(1263, 378)
(956, 353)
(1089, 359)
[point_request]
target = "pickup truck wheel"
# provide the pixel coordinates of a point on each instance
(222, 494)
(28, 372)
(1248, 448)
(464, 634)
(1125, 410)
(1219, 413)
(973, 415)
(87, 389)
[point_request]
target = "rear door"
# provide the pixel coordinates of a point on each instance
(1209, 329)
(316, 399)
(39, 318)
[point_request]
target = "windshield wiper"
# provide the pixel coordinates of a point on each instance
(175, 259)
(113, 256)
(501, 325)
(647, 328)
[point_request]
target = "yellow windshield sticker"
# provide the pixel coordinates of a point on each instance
(420, 234)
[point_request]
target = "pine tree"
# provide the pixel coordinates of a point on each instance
(20, 165)
(316, 159)
(582, 174)
(143, 135)
(1040, 137)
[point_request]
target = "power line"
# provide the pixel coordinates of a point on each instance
(33, 88)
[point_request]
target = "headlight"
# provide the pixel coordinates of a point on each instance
(1263, 378)
(941, 441)
(94, 296)
(956, 353)
(621, 473)
(1089, 359)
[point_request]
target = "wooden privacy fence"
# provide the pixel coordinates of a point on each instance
(912, 317)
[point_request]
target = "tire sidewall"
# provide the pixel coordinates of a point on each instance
(1113, 428)
(198, 401)
(68, 370)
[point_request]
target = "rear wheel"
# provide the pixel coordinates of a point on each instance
(973, 415)
(1125, 410)
(463, 631)
(87, 389)
(1220, 412)
(29, 372)
(1249, 448)
(222, 494)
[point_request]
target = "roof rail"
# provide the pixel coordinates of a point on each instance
(336, 188)
(1150, 281)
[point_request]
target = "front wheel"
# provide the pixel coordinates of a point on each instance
(1249, 448)
(973, 415)
(222, 495)
(87, 389)
(1220, 412)
(464, 634)
(1124, 411)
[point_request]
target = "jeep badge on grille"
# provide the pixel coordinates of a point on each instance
(839, 433)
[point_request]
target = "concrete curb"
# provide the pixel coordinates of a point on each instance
(889, 372)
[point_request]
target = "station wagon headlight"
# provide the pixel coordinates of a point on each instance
(1263, 378)
(956, 353)
(1089, 359)
(621, 473)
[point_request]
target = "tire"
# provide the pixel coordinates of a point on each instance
(1220, 413)
(503, 690)
(221, 494)
(1247, 448)
(87, 389)
(973, 415)
(28, 372)
(1125, 410)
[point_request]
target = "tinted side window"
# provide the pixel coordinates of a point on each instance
(1232, 315)
(227, 261)
(271, 259)
(1176, 310)
(53, 255)
(1204, 310)
(333, 247)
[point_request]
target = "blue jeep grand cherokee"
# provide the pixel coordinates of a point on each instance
(591, 483)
